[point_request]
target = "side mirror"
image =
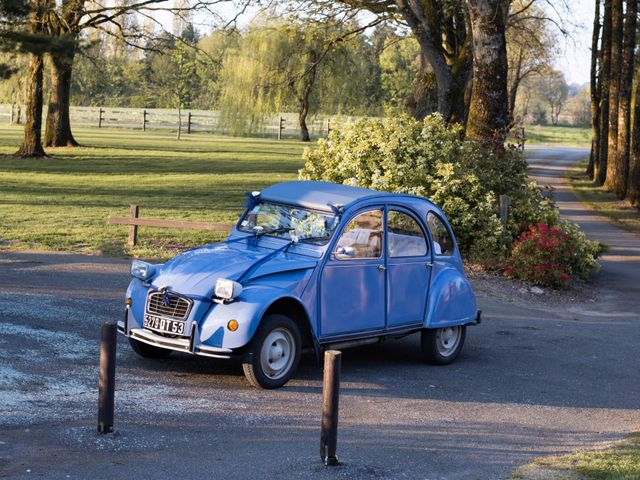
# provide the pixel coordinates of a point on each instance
(344, 253)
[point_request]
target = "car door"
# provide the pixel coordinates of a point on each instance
(352, 283)
(409, 268)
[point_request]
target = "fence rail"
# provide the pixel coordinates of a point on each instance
(193, 121)
(134, 221)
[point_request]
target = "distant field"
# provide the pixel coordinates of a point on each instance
(561, 136)
(62, 203)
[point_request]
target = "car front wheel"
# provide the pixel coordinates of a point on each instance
(274, 352)
(148, 351)
(441, 346)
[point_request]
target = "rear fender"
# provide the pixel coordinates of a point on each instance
(451, 299)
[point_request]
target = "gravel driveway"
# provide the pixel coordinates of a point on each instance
(530, 381)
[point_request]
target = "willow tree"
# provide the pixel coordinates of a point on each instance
(279, 65)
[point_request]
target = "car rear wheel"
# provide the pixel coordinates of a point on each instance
(274, 353)
(441, 346)
(148, 351)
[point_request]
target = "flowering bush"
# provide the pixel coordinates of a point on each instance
(549, 256)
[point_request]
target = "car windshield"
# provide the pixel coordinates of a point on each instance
(291, 223)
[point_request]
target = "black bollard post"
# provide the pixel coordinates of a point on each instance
(107, 379)
(330, 403)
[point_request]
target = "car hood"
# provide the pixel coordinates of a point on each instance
(196, 271)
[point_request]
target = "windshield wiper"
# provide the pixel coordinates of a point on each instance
(259, 230)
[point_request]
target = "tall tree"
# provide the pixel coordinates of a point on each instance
(620, 167)
(633, 184)
(32, 142)
(58, 123)
(595, 84)
(489, 110)
(615, 72)
(600, 164)
(443, 31)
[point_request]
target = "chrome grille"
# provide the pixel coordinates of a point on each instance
(168, 304)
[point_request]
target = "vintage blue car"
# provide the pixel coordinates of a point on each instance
(309, 265)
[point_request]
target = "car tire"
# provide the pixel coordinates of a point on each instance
(274, 352)
(441, 346)
(148, 351)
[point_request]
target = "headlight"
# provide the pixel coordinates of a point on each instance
(227, 289)
(142, 270)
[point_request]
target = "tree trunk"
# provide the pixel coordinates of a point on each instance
(489, 111)
(302, 119)
(633, 184)
(595, 93)
(513, 90)
(452, 72)
(600, 166)
(58, 128)
(613, 164)
(179, 120)
(620, 180)
(32, 142)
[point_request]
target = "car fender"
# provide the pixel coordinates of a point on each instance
(451, 300)
(248, 310)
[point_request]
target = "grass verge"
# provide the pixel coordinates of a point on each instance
(620, 462)
(619, 212)
(62, 202)
(558, 136)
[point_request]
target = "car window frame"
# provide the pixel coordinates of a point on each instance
(345, 223)
(416, 218)
(447, 228)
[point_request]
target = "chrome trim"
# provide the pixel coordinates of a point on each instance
(179, 344)
(173, 295)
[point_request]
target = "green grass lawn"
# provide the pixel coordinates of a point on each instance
(619, 212)
(560, 136)
(620, 462)
(62, 202)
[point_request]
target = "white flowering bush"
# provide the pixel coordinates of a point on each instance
(433, 160)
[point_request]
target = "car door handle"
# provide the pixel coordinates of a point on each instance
(381, 268)
(429, 264)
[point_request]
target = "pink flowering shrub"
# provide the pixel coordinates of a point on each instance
(550, 255)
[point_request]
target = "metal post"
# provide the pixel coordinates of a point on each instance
(107, 379)
(100, 112)
(505, 203)
(189, 123)
(330, 402)
(144, 120)
(134, 210)
(328, 126)
(280, 128)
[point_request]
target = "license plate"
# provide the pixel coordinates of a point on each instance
(154, 322)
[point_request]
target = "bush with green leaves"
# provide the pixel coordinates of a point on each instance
(433, 160)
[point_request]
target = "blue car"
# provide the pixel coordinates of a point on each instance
(309, 266)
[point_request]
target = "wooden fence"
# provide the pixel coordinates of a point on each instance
(280, 126)
(134, 221)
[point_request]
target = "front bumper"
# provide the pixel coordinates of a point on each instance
(186, 345)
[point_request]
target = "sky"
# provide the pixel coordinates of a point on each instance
(575, 53)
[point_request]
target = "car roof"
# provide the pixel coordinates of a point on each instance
(318, 195)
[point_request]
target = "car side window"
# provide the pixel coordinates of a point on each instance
(362, 238)
(404, 236)
(442, 242)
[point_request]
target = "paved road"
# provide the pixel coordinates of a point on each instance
(530, 381)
